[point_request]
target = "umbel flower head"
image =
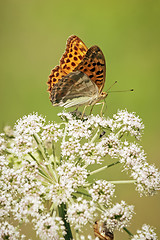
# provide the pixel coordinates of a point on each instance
(45, 174)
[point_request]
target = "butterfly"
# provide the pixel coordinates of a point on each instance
(80, 77)
(102, 232)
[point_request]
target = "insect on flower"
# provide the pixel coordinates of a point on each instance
(80, 77)
(102, 232)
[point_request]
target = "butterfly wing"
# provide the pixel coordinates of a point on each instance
(94, 66)
(74, 89)
(102, 232)
(74, 53)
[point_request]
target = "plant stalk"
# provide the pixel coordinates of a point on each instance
(122, 181)
(62, 213)
(127, 231)
(103, 168)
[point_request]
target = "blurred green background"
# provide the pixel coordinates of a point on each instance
(33, 37)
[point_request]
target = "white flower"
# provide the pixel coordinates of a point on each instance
(25, 129)
(90, 154)
(86, 153)
(147, 176)
(89, 237)
(30, 124)
(147, 232)
(70, 178)
(147, 179)
(49, 227)
(128, 122)
(65, 115)
(70, 172)
(46, 168)
(79, 129)
(80, 213)
(102, 192)
(29, 205)
(118, 217)
(51, 132)
(8, 231)
(70, 149)
(2, 142)
(132, 154)
(111, 145)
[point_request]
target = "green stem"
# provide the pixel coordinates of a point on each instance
(62, 213)
(82, 193)
(54, 155)
(94, 137)
(65, 132)
(41, 149)
(103, 168)
(123, 181)
(41, 169)
(77, 235)
(130, 234)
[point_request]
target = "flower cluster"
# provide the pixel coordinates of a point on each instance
(147, 232)
(118, 216)
(70, 178)
(128, 123)
(45, 174)
(8, 231)
(147, 177)
(102, 192)
(81, 212)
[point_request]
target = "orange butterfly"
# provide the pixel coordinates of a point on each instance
(79, 79)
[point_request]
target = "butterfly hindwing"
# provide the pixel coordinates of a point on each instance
(74, 89)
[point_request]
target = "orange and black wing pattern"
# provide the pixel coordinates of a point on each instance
(74, 53)
(77, 58)
(94, 66)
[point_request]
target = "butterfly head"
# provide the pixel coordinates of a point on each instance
(101, 96)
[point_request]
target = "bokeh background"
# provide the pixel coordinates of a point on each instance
(33, 37)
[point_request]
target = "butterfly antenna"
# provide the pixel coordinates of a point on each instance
(111, 86)
(129, 90)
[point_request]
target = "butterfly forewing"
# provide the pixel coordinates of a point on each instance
(74, 89)
(94, 66)
(74, 53)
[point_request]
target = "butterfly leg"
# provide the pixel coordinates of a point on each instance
(91, 109)
(84, 111)
(101, 112)
(102, 109)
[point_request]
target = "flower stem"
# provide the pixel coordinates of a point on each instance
(41, 148)
(62, 213)
(65, 132)
(77, 235)
(130, 234)
(82, 193)
(41, 169)
(94, 137)
(123, 181)
(103, 168)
